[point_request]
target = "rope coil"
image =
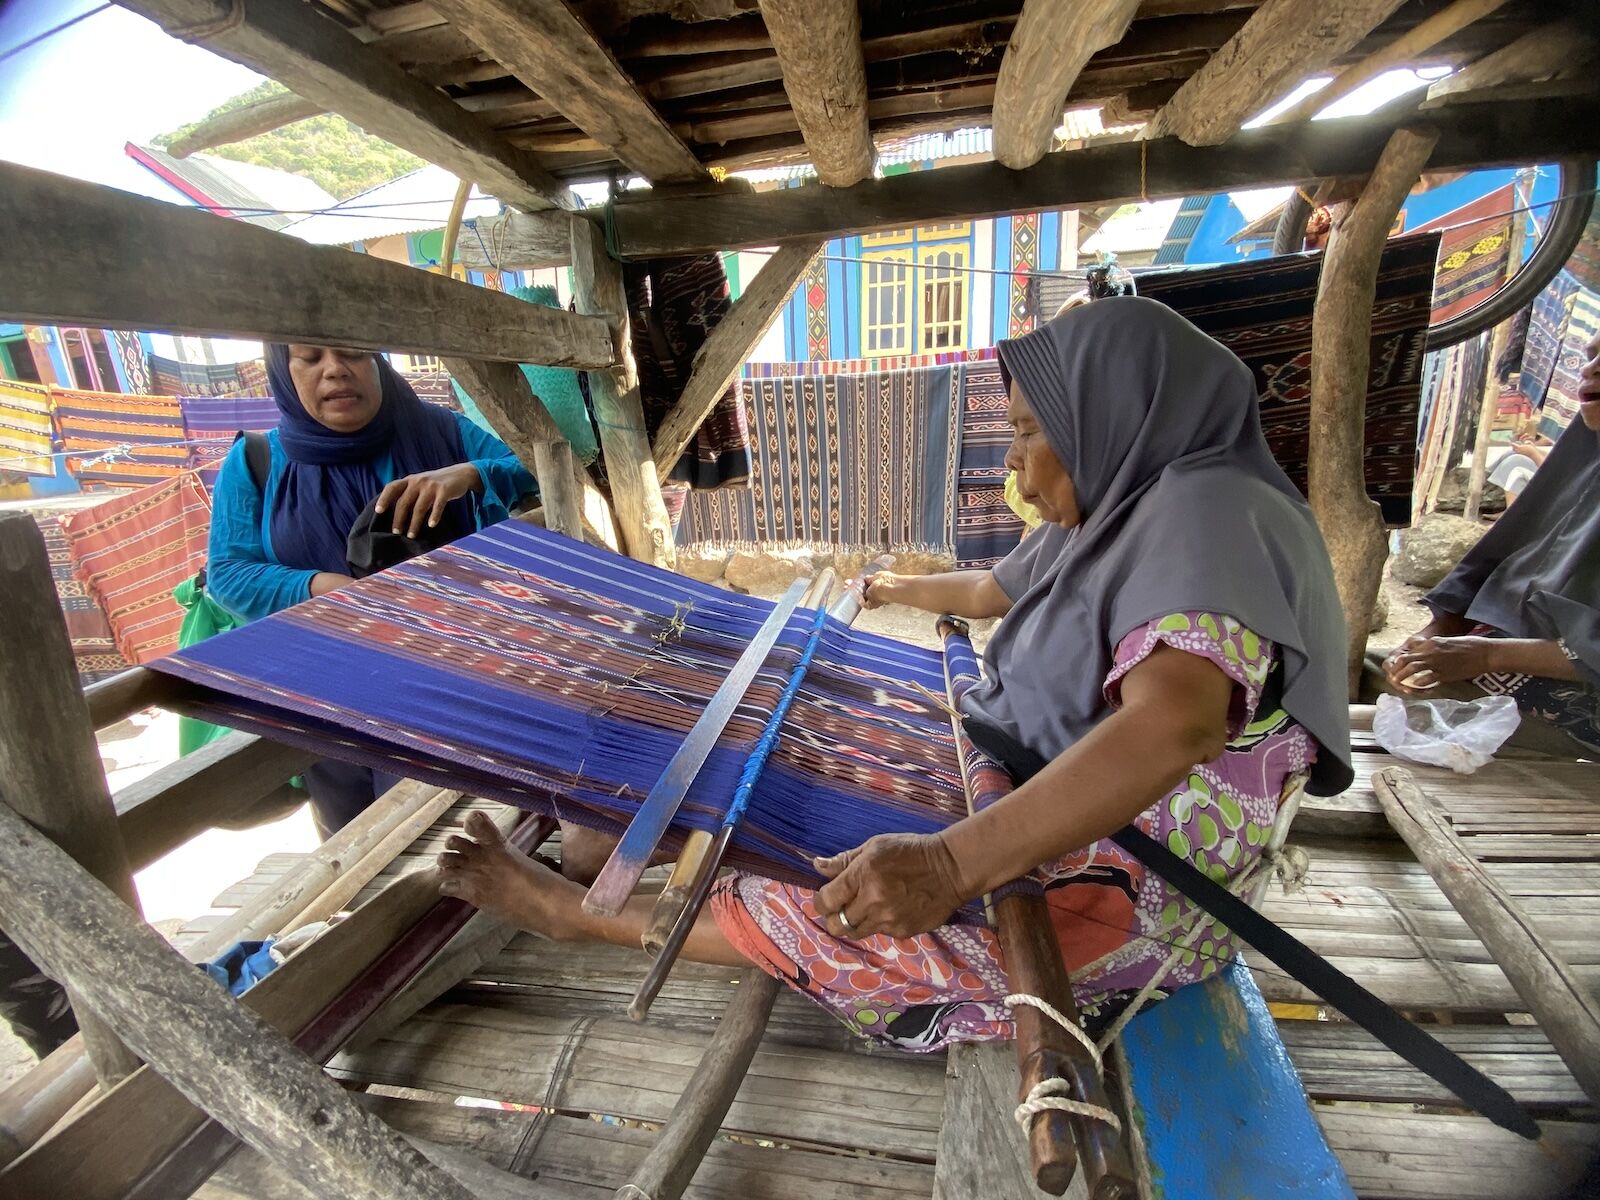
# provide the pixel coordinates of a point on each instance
(1056, 1094)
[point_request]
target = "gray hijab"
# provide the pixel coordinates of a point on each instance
(1536, 573)
(1184, 509)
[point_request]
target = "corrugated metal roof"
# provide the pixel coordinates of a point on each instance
(410, 204)
(236, 188)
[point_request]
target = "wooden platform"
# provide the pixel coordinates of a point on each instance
(823, 1115)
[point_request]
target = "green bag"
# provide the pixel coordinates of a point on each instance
(203, 617)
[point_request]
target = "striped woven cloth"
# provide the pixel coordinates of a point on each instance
(121, 441)
(94, 648)
(210, 423)
(25, 432)
(133, 550)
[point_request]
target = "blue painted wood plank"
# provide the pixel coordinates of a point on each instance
(1220, 1105)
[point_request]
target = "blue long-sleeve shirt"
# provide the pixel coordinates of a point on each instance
(247, 578)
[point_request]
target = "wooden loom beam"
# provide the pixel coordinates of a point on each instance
(728, 347)
(1563, 1004)
(825, 76)
(223, 1057)
(644, 528)
(247, 121)
(548, 46)
(310, 54)
(85, 254)
(1341, 341)
(1048, 48)
(50, 772)
(1548, 52)
(1281, 43)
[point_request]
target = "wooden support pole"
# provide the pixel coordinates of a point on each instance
(247, 121)
(549, 47)
(452, 228)
(729, 345)
(681, 1145)
(132, 691)
(50, 772)
(1281, 43)
(112, 260)
(1047, 51)
(313, 56)
(1418, 39)
(645, 529)
(215, 784)
(502, 394)
(1341, 338)
(1563, 1004)
(516, 241)
(223, 1057)
(32, 1104)
(825, 77)
(1489, 406)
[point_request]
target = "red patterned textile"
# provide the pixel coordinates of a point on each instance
(132, 551)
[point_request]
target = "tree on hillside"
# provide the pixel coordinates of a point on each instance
(328, 150)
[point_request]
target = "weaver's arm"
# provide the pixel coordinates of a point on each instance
(239, 573)
(1174, 714)
(970, 594)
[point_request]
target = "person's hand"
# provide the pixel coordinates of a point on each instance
(901, 884)
(882, 589)
(1425, 662)
(422, 497)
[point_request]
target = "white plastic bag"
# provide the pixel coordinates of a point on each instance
(1459, 734)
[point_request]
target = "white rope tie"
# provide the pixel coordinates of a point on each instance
(1056, 1094)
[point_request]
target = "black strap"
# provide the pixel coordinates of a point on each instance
(1471, 1085)
(257, 456)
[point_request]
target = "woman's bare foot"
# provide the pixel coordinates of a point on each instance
(486, 872)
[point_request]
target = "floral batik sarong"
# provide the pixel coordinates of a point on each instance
(1116, 923)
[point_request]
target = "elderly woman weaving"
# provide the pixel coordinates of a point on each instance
(1171, 652)
(355, 452)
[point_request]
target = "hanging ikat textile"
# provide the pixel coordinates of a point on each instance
(986, 528)
(1474, 247)
(26, 441)
(121, 441)
(94, 648)
(210, 423)
(170, 377)
(841, 461)
(133, 550)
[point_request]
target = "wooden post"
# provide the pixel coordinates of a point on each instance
(50, 771)
(502, 393)
(1047, 51)
(1563, 1004)
(682, 1142)
(642, 518)
(825, 77)
(728, 346)
(219, 1054)
(1341, 337)
(1490, 406)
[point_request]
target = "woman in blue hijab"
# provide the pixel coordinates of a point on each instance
(351, 432)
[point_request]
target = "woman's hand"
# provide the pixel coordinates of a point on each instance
(1425, 662)
(901, 884)
(883, 588)
(423, 496)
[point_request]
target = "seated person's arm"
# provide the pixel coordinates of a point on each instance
(1445, 651)
(1174, 714)
(971, 594)
(239, 575)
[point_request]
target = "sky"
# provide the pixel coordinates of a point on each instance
(70, 103)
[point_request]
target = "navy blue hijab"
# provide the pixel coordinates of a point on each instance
(331, 477)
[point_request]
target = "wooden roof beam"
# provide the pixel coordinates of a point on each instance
(1047, 51)
(1549, 52)
(825, 75)
(1282, 43)
(546, 45)
(237, 124)
(1471, 135)
(1417, 40)
(83, 254)
(316, 58)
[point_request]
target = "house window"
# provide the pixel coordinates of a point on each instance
(886, 302)
(16, 361)
(915, 289)
(104, 367)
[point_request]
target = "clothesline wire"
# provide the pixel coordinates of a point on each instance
(99, 455)
(51, 32)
